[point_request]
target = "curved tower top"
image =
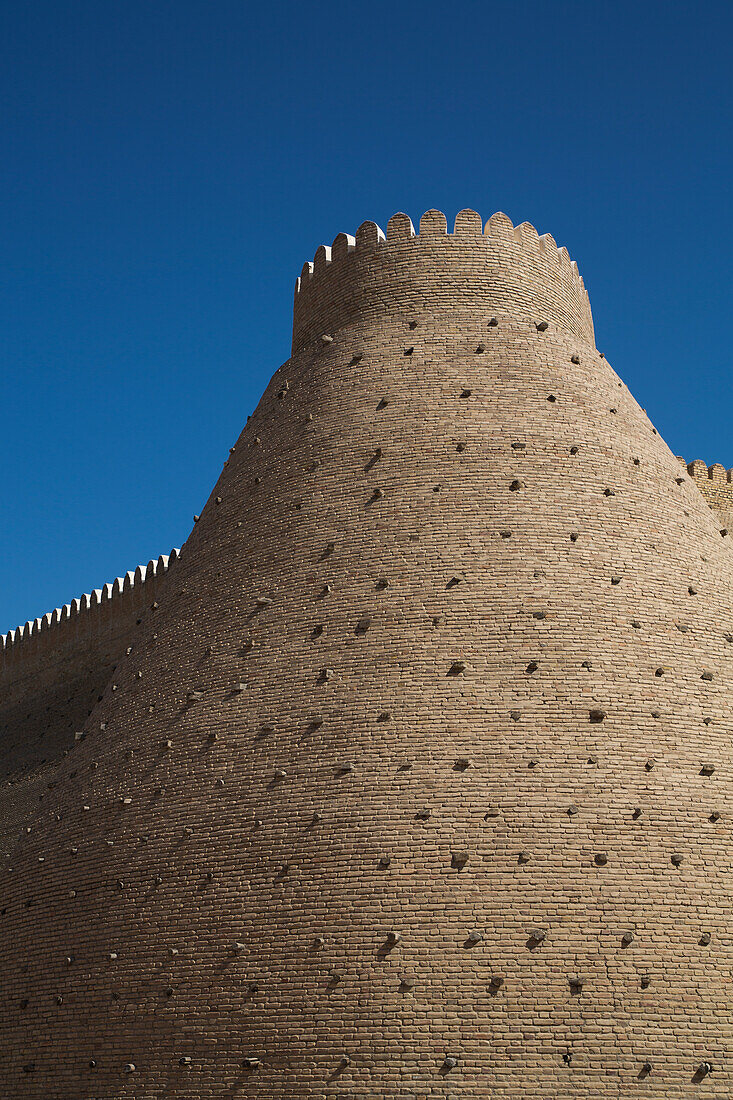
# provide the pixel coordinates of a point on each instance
(506, 270)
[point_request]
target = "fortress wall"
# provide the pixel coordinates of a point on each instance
(53, 670)
(716, 485)
(418, 782)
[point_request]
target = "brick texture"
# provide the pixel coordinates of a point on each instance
(417, 781)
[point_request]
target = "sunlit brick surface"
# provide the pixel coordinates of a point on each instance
(417, 779)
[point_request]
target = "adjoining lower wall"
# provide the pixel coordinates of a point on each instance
(54, 669)
(716, 485)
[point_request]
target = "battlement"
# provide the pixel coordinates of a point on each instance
(498, 267)
(84, 615)
(54, 669)
(716, 485)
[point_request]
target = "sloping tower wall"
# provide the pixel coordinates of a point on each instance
(418, 779)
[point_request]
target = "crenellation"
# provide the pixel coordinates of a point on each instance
(493, 261)
(53, 668)
(716, 485)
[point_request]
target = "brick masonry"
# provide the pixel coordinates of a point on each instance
(416, 780)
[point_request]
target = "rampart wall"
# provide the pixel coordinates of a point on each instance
(417, 781)
(716, 485)
(53, 669)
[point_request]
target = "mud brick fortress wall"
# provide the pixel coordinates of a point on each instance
(414, 775)
(53, 671)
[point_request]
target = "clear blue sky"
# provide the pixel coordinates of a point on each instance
(166, 167)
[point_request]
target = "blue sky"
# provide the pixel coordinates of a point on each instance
(168, 165)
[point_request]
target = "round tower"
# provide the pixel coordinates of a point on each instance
(417, 782)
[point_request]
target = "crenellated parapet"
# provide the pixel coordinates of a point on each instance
(90, 614)
(505, 269)
(53, 670)
(716, 485)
